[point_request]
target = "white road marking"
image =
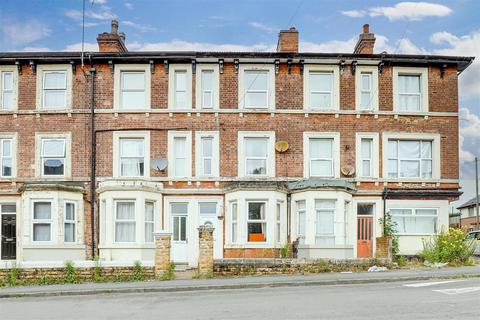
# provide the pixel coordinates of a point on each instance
(428, 284)
(458, 290)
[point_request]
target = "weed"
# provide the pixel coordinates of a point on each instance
(138, 274)
(70, 276)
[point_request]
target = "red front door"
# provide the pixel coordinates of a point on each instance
(364, 237)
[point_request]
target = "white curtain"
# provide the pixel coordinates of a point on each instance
(132, 154)
(53, 148)
(69, 232)
(41, 232)
(149, 221)
(125, 224)
(42, 211)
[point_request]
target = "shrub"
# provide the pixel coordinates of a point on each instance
(170, 273)
(390, 230)
(448, 247)
(13, 276)
(285, 251)
(138, 274)
(70, 272)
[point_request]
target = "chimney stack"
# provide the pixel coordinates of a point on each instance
(366, 41)
(112, 41)
(288, 41)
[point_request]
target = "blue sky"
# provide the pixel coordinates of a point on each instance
(433, 27)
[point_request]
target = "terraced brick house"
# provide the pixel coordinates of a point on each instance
(269, 147)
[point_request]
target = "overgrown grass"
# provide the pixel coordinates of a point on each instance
(285, 251)
(170, 273)
(450, 247)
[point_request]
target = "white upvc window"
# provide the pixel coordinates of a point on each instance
(149, 221)
(321, 87)
(180, 86)
(125, 222)
(256, 153)
(207, 85)
(42, 221)
(325, 222)
(234, 222)
(301, 220)
(131, 154)
(410, 89)
(6, 157)
(54, 87)
(53, 156)
(409, 159)
(132, 86)
(179, 216)
(415, 221)
(207, 153)
(367, 158)
(321, 154)
(69, 222)
(278, 223)
(256, 221)
(256, 87)
(180, 154)
(366, 84)
(366, 153)
(7, 93)
(132, 157)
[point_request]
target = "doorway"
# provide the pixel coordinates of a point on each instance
(365, 230)
(179, 213)
(9, 233)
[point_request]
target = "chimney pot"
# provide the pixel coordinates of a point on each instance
(122, 36)
(366, 28)
(112, 41)
(114, 27)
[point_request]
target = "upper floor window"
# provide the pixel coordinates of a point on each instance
(180, 86)
(132, 86)
(53, 157)
(180, 154)
(6, 160)
(256, 87)
(367, 159)
(132, 157)
(366, 88)
(256, 154)
(321, 156)
(207, 153)
(410, 86)
(207, 89)
(366, 154)
(321, 85)
(7, 87)
(207, 86)
(131, 154)
(409, 159)
(55, 89)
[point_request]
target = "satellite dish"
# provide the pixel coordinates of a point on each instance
(281, 146)
(347, 170)
(159, 163)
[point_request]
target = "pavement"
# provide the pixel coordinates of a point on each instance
(241, 282)
(427, 299)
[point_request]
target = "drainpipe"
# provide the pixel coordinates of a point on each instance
(289, 214)
(384, 196)
(93, 157)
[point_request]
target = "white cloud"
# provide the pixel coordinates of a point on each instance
(78, 47)
(138, 26)
(414, 11)
(263, 27)
(329, 46)
(99, 1)
(180, 45)
(129, 5)
(469, 134)
(354, 13)
(24, 32)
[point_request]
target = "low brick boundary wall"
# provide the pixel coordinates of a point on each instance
(243, 267)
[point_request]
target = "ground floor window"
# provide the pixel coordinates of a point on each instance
(301, 220)
(42, 221)
(278, 224)
(234, 208)
(69, 222)
(149, 221)
(125, 221)
(256, 222)
(325, 222)
(415, 221)
(179, 212)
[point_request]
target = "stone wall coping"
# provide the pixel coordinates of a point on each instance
(162, 234)
(76, 264)
(288, 261)
(206, 228)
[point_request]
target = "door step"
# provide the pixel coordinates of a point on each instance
(181, 266)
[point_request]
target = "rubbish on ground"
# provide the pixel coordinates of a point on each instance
(435, 264)
(377, 269)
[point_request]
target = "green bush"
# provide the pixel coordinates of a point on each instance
(390, 230)
(448, 247)
(285, 251)
(170, 273)
(138, 274)
(70, 272)
(13, 276)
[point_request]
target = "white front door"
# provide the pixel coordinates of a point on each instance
(179, 251)
(208, 214)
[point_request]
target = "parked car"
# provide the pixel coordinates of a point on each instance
(475, 235)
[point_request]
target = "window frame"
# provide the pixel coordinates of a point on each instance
(420, 160)
(117, 136)
(301, 235)
(13, 156)
(172, 70)
(375, 155)
(317, 212)
(436, 155)
(39, 137)
(242, 89)
(215, 158)
(335, 99)
(125, 157)
(307, 135)
(423, 73)
(200, 68)
(414, 214)
(50, 221)
(270, 161)
(58, 89)
(374, 89)
(118, 84)
(40, 92)
(130, 221)
(151, 222)
(44, 157)
(171, 154)
(14, 91)
(70, 221)
(278, 222)
(257, 221)
(233, 222)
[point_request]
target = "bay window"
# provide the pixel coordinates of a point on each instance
(69, 222)
(132, 157)
(133, 93)
(234, 221)
(415, 220)
(149, 221)
(301, 221)
(42, 221)
(256, 222)
(325, 222)
(125, 221)
(6, 159)
(278, 223)
(53, 156)
(409, 159)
